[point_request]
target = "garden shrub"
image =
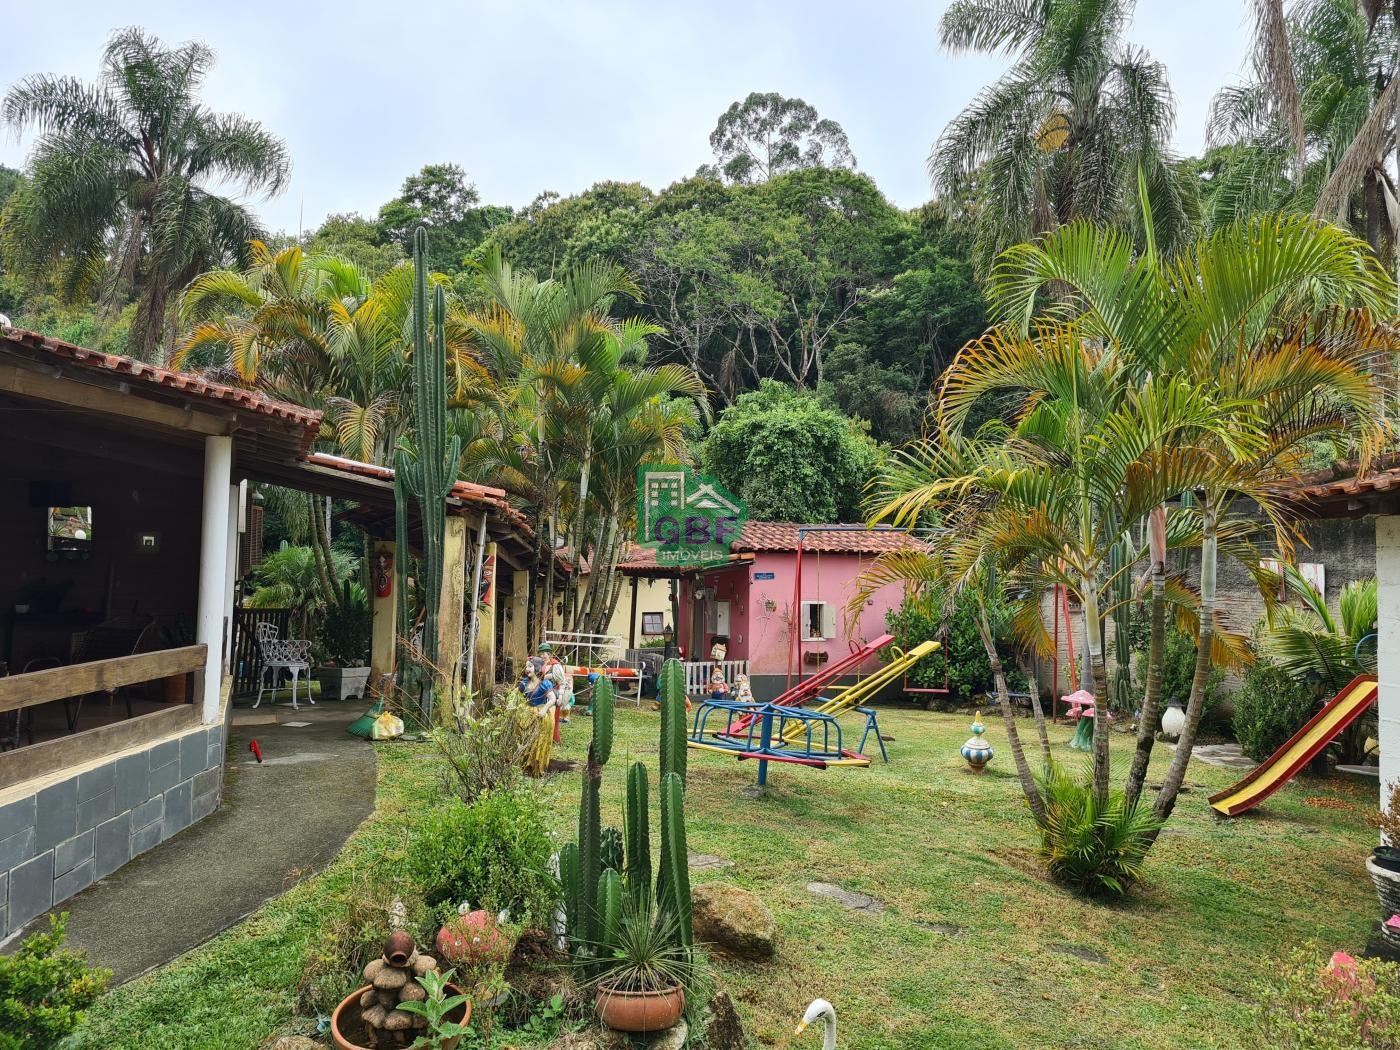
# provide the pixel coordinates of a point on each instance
(1096, 850)
(1178, 669)
(494, 853)
(1340, 1004)
(489, 750)
(44, 990)
(970, 675)
(1270, 707)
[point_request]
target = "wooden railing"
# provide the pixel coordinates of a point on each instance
(100, 676)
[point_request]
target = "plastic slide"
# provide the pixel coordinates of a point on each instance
(1341, 711)
(806, 688)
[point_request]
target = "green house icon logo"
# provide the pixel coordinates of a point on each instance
(690, 519)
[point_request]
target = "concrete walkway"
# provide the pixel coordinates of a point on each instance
(279, 822)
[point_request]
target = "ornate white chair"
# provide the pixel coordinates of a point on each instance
(292, 655)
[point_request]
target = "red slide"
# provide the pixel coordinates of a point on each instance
(806, 688)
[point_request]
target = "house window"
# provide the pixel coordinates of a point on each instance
(653, 624)
(818, 621)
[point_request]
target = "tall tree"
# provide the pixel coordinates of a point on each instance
(441, 198)
(1063, 133)
(767, 134)
(120, 192)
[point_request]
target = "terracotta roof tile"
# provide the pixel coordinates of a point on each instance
(779, 537)
(183, 382)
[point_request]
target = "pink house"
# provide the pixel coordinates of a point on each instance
(754, 602)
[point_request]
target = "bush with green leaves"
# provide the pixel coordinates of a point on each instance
(344, 636)
(1270, 707)
(970, 673)
(1097, 849)
(1178, 668)
(44, 990)
(485, 751)
(1313, 1003)
(494, 853)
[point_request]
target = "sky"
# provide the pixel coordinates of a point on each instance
(533, 96)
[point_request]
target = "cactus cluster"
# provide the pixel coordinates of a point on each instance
(428, 471)
(605, 864)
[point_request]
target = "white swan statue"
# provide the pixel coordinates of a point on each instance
(823, 1009)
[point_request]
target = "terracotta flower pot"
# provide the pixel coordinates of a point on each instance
(640, 1011)
(345, 1021)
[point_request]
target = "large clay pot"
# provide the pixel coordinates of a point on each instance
(640, 1011)
(349, 1009)
(1387, 885)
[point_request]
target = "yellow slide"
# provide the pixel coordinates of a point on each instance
(1305, 745)
(846, 697)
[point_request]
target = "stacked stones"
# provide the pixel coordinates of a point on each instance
(393, 980)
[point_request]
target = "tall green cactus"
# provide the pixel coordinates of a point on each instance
(638, 835)
(569, 880)
(590, 823)
(611, 852)
(673, 728)
(429, 474)
(673, 883)
(603, 707)
(609, 909)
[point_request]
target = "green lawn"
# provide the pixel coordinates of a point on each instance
(943, 848)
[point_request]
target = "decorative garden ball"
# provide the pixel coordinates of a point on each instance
(977, 750)
(474, 938)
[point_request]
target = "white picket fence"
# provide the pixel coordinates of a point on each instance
(697, 673)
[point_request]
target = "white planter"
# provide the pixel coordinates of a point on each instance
(1173, 722)
(342, 683)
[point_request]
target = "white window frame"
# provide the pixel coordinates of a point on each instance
(658, 619)
(826, 613)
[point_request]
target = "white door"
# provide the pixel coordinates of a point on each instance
(721, 618)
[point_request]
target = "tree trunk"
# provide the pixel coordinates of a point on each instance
(1205, 638)
(1013, 737)
(1093, 625)
(1156, 650)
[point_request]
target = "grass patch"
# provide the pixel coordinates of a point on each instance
(971, 950)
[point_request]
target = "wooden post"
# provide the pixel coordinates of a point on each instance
(384, 611)
(454, 586)
(632, 631)
(484, 660)
(517, 643)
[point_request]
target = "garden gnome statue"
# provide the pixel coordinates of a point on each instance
(977, 750)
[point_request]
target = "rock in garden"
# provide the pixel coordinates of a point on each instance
(296, 1042)
(847, 898)
(734, 919)
(422, 964)
(672, 1039)
(721, 1026)
(390, 979)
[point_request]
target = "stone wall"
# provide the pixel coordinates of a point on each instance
(1347, 547)
(67, 835)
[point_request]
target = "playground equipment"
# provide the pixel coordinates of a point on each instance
(783, 731)
(586, 656)
(807, 688)
(779, 733)
(1302, 747)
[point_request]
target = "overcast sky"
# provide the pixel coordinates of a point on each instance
(557, 96)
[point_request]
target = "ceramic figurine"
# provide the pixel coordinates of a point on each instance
(719, 688)
(977, 750)
(743, 692)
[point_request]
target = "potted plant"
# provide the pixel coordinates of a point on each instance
(406, 996)
(641, 970)
(344, 644)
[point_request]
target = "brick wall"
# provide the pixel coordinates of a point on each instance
(63, 838)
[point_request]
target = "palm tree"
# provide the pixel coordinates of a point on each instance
(1045, 501)
(1313, 644)
(1312, 130)
(1062, 134)
(119, 192)
(1230, 313)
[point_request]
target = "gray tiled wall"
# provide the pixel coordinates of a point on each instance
(61, 840)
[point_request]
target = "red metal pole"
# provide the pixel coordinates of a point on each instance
(795, 646)
(1055, 659)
